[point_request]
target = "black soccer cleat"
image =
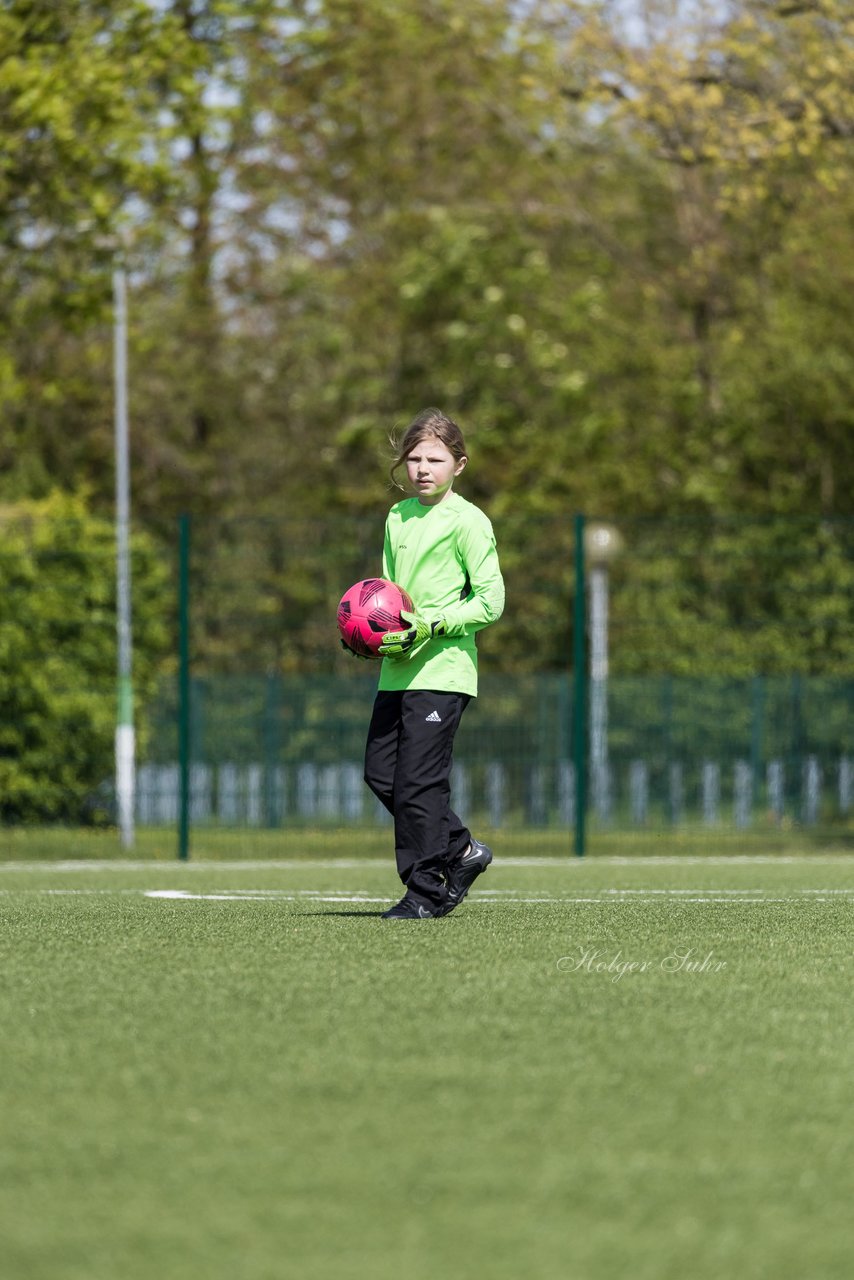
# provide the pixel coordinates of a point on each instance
(464, 870)
(409, 909)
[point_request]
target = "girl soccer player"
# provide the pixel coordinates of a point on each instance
(441, 550)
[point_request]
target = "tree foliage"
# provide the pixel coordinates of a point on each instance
(58, 655)
(612, 240)
(81, 86)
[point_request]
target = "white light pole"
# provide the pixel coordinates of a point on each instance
(602, 543)
(125, 738)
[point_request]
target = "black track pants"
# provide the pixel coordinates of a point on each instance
(408, 767)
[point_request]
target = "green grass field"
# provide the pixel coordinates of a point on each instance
(241, 1073)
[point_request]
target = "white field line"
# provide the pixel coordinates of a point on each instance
(195, 866)
(484, 896)
(755, 891)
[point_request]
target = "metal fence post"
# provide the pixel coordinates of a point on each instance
(579, 699)
(270, 747)
(184, 533)
(757, 734)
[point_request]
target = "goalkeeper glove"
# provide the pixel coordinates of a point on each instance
(398, 643)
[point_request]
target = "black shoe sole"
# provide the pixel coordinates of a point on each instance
(393, 914)
(416, 919)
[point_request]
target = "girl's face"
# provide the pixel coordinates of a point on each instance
(431, 469)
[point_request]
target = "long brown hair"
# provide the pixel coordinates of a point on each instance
(429, 422)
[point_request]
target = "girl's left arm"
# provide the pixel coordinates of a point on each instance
(485, 599)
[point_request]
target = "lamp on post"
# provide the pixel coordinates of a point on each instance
(602, 542)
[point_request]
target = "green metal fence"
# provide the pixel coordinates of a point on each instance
(683, 753)
(648, 678)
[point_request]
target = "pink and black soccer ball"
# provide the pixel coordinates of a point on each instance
(367, 611)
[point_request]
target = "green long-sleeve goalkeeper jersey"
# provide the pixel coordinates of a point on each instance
(445, 557)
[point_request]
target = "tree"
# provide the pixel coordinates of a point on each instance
(606, 250)
(58, 656)
(80, 89)
(746, 116)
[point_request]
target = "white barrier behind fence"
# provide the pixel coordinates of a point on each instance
(254, 796)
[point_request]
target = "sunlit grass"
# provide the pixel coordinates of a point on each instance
(272, 1081)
